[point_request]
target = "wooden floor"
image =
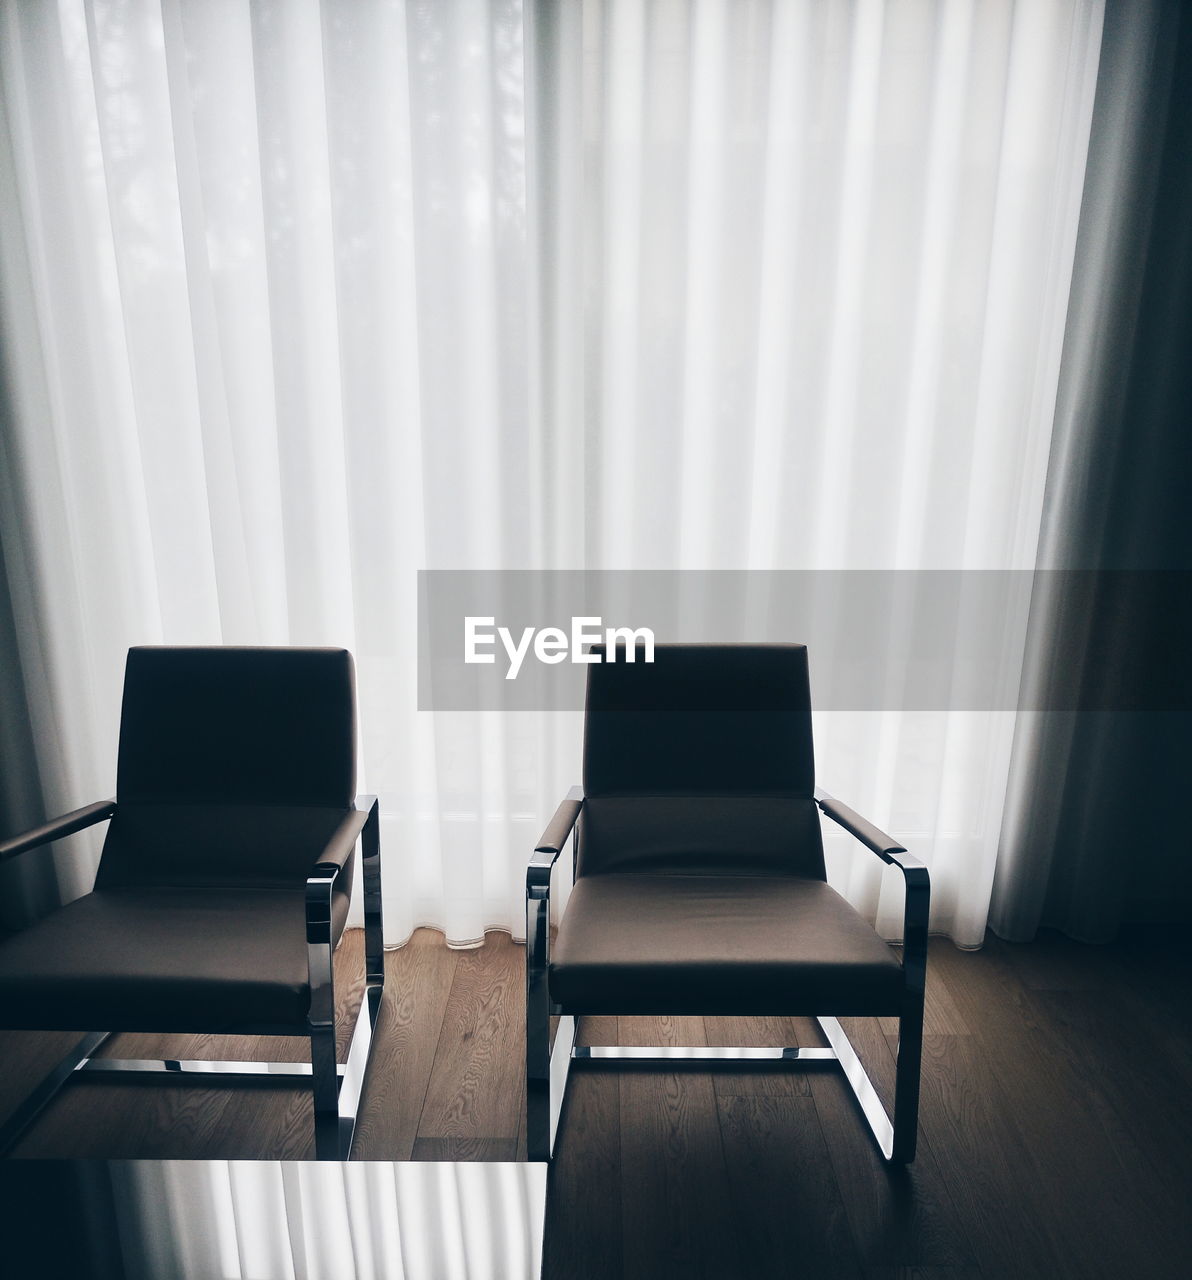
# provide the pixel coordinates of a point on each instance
(1056, 1139)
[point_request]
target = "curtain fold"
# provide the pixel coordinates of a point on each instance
(300, 298)
(825, 261)
(252, 1219)
(1095, 808)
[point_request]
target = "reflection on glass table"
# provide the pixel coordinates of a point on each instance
(264, 1220)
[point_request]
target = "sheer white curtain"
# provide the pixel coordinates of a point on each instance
(299, 298)
(266, 333)
(825, 252)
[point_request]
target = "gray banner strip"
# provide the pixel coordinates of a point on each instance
(931, 640)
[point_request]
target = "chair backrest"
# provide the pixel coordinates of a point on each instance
(700, 761)
(235, 764)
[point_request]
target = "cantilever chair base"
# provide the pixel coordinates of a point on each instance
(546, 1105)
(334, 1132)
(335, 1088)
(547, 1067)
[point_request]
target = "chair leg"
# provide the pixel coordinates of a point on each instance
(361, 1045)
(538, 1100)
(321, 1022)
(374, 938)
(337, 1097)
(906, 1084)
(545, 1093)
(336, 1091)
(547, 1068)
(325, 1091)
(897, 1140)
(858, 1081)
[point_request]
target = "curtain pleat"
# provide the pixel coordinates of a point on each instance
(826, 262)
(300, 298)
(1095, 807)
(253, 1220)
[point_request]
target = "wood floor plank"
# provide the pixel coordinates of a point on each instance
(1112, 1189)
(597, 1030)
(776, 1081)
(873, 1048)
(898, 1215)
(1083, 1201)
(661, 1031)
(764, 1032)
(969, 1122)
(117, 1119)
(941, 1017)
(783, 1196)
(923, 1273)
(418, 981)
(1052, 962)
(464, 1149)
(1153, 968)
(675, 1195)
(583, 1236)
(29, 1056)
(477, 1083)
(1135, 1173)
(260, 1121)
(588, 1031)
(673, 1180)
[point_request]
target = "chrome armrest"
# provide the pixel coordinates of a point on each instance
(553, 840)
(870, 836)
(332, 859)
(338, 848)
(538, 1002)
(57, 828)
(320, 887)
(916, 881)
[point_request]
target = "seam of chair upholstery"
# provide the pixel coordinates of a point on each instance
(701, 875)
(690, 794)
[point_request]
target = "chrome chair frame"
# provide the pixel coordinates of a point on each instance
(547, 1068)
(336, 1089)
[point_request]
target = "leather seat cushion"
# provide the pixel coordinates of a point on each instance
(163, 959)
(695, 944)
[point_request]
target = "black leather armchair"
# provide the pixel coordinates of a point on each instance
(224, 881)
(700, 885)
